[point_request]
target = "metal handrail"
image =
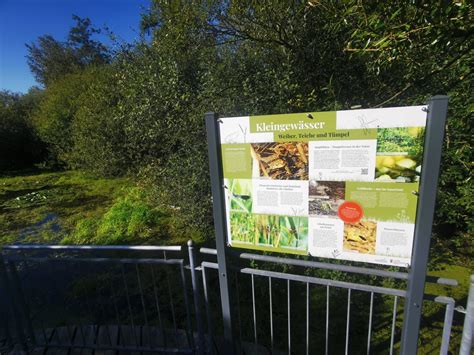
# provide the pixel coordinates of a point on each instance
(93, 247)
(336, 267)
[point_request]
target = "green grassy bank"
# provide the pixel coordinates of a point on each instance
(75, 208)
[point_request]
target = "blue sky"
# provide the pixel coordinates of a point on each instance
(22, 21)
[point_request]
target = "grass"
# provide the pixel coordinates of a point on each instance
(76, 208)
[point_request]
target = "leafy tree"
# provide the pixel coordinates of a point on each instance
(50, 59)
(19, 145)
(56, 111)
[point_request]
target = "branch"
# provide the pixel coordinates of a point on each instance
(430, 74)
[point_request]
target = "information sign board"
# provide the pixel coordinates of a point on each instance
(340, 185)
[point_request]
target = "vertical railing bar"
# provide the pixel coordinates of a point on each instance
(89, 308)
(157, 303)
(142, 299)
(70, 336)
(127, 295)
(114, 299)
(104, 294)
(173, 316)
(348, 319)
(307, 318)
(289, 316)
(468, 325)
(210, 328)
(394, 318)
(74, 334)
(44, 333)
(271, 311)
(237, 286)
(21, 299)
(196, 298)
(56, 292)
(82, 335)
(327, 321)
(189, 332)
(27, 309)
(4, 279)
(369, 332)
(254, 313)
(448, 321)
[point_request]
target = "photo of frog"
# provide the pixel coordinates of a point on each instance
(325, 197)
(281, 160)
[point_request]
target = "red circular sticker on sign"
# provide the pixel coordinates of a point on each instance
(350, 212)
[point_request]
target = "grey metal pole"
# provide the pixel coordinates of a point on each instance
(468, 328)
(197, 298)
(215, 167)
(434, 133)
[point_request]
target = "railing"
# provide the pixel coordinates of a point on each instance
(107, 298)
(166, 300)
(341, 341)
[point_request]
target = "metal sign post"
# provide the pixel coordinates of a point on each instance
(437, 109)
(215, 162)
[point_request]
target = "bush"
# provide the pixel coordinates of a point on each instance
(130, 220)
(19, 145)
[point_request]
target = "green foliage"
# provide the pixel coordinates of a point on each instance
(56, 111)
(130, 219)
(19, 144)
(50, 59)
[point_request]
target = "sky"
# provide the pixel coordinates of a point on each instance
(23, 21)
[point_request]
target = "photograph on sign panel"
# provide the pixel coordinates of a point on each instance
(281, 161)
(360, 237)
(240, 194)
(325, 197)
(269, 230)
(399, 154)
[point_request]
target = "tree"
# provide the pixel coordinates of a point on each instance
(56, 112)
(50, 59)
(19, 145)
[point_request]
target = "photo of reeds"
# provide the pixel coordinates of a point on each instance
(240, 194)
(269, 230)
(325, 197)
(360, 237)
(281, 161)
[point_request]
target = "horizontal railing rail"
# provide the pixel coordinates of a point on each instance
(334, 267)
(93, 247)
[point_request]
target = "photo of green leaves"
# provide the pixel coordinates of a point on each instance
(240, 194)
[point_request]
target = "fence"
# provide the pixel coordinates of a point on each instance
(167, 300)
